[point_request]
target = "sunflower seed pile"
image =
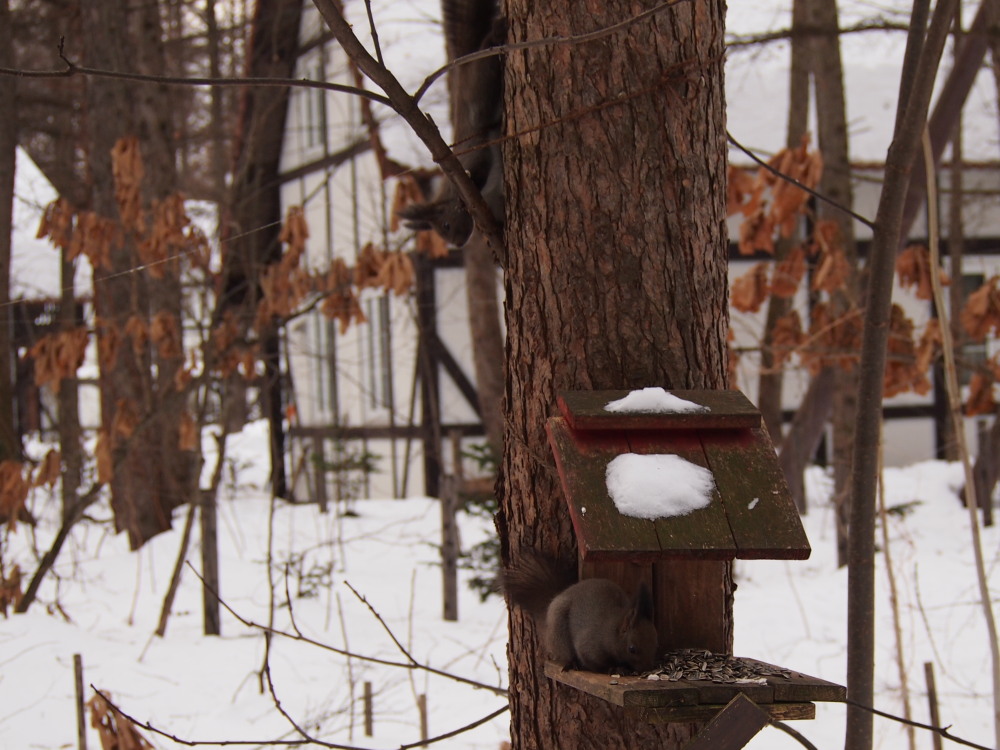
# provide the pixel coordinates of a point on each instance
(695, 664)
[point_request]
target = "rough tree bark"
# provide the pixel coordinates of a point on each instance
(487, 338)
(831, 116)
(153, 477)
(616, 279)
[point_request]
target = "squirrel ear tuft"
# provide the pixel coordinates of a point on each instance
(418, 216)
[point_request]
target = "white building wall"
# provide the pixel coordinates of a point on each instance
(906, 439)
(338, 377)
(364, 377)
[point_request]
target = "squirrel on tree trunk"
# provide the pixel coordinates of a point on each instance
(476, 113)
(591, 624)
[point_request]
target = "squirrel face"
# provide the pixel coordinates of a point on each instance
(447, 216)
(639, 637)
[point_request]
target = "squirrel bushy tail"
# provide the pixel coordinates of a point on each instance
(534, 581)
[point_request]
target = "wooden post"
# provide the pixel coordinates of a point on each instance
(81, 718)
(210, 565)
(932, 701)
(422, 707)
(430, 392)
(451, 489)
(369, 718)
(319, 472)
(449, 547)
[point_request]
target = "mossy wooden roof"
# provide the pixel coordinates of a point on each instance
(751, 514)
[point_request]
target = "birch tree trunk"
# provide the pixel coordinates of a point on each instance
(616, 278)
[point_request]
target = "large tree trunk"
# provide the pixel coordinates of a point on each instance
(255, 213)
(487, 338)
(616, 279)
(152, 476)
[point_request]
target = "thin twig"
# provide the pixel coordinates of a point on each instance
(794, 734)
(460, 730)
(374, 31)
(958, 422)
(893, 594)
(412, 664)
(943, 731)
(736, 42)
(297, 742)
(72, 69)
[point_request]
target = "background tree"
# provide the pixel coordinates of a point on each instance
(253, 218)
(140, 407)
(616, 278)
(9, 444)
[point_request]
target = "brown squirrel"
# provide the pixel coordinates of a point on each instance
(476, 114)
(592, 624)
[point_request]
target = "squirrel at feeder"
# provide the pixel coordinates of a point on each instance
(591, 624)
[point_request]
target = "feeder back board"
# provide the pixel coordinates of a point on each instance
(751, 514)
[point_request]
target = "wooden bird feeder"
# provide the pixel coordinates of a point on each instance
(682, 558)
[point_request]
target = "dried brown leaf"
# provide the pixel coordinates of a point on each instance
(164, 331)
(751, 289)
(116, 731)
(49, 470)
(10, 590)
(108, 343)
(128, 172)
(57, 223)
(833, 341)
(902, 373)
(295, 232)
(126, 419)
(786, 337)
(788, 274)
(913, 266)
(832, 271)
(981, 315)
(980, 399)
(757, 234)
(103, 457)
(137, 330)
(14, 486)
(58, 355)
(743, 192)
(930, 345)
(187, 439)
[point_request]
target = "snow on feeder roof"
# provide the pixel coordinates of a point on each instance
(746, 511)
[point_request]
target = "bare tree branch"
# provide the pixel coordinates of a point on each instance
(411, 664)
(943, 731)
(72, 69)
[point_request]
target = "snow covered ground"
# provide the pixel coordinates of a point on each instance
(104, 601)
